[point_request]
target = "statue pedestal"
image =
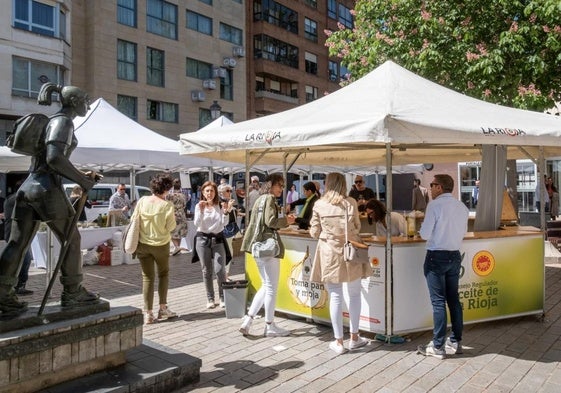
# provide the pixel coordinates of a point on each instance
(36, 357)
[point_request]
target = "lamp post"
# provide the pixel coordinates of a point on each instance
(215, 110)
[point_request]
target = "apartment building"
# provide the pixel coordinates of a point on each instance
(163, 63)
(34, 48)
(288, 63)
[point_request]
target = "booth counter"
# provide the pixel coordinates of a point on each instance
(502, 277)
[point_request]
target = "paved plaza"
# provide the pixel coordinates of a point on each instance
(514, 355)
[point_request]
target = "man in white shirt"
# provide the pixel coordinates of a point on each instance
(444, 228)
(120, 201)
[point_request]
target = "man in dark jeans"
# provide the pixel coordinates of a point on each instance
(24, 271)
(444, 228)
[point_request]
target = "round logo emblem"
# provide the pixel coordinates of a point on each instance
(374, 262)
(483, 263)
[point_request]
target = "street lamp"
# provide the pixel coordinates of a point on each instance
(215, 110)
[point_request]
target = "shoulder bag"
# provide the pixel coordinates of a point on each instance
(269, 247)
(131, 233)
(350, 249)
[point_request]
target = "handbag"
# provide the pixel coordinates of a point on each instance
(266, 248)
(232, 228)
(350, 251)
(131, 234)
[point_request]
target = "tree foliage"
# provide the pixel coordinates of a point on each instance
(502, 51)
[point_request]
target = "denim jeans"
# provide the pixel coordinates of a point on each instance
(442, 272)
(212, 258)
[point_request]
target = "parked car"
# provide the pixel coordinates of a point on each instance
(100, 194)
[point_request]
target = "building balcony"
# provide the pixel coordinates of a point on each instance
(276, 96)
(267, 102)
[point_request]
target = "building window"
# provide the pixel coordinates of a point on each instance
(345, 17)
(199, 23)
(40, 18)
(161, 18)
(311, 63)
(333, 71)
(311, 30)
(209, 2)
(344, 73)
(155, 67)
(199, 69)
(161, 111)
(227, 86)
(312, 3)
(126, 12)
(311, 93)
(265, 47)
(231, 34)
(127, 105)
(204, 117)
(28, 76)
(126, 60)
(276, 14)
(332, 9)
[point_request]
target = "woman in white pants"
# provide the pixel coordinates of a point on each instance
(266, 219)
(328, 226)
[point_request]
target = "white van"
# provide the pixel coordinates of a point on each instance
(100, 194)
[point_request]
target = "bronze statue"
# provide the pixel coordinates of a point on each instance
(42, 198)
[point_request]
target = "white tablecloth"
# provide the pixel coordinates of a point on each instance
(91, 237)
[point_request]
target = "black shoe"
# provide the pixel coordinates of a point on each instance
(79, 298)
(22, 291)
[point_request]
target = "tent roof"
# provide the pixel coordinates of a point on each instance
(10, 161)
(109, 139)
(421, 120)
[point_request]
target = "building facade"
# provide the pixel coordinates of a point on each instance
(287, 61)
(163, 63)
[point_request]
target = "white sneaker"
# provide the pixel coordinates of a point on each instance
(360, 342)
(272, 330)
(454, 346)
(210, 304)
(430, 350)
(222, 304)
(337, 348)
(246, 324)
(166, 313)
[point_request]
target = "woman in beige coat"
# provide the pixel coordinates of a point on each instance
(328, 226)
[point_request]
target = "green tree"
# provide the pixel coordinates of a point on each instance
(502, 51)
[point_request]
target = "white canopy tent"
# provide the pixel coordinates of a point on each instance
(394, 116)
(110, 140)
(10, 162)
(391, 116)
(389, 110)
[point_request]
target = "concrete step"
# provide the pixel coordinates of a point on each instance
(149, 368)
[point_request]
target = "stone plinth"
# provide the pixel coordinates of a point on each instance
(37, 357)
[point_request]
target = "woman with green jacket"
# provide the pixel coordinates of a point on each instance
(266, 219)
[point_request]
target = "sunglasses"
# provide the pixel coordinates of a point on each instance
(434, 184)
(358, 181)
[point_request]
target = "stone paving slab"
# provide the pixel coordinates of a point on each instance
(520, 354)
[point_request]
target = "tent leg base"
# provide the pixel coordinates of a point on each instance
(391, 339)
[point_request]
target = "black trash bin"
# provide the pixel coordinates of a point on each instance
(235, 298)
